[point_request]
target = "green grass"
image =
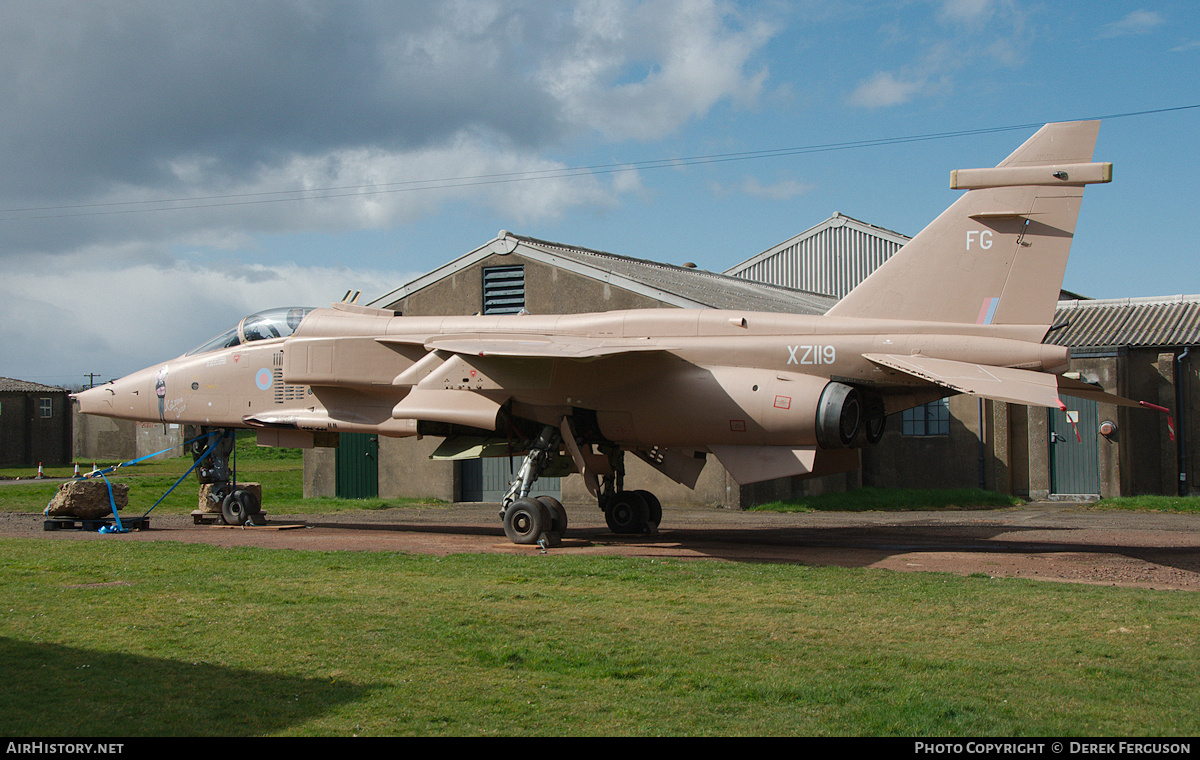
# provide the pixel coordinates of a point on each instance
(157, 638)
(897, 499)
(114, 637)
(1182, 504)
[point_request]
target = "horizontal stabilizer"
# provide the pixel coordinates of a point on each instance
(1080, 389)
(1017, 386)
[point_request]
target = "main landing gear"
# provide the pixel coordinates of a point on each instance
(238, 506)
(632, 512)
(542, 519)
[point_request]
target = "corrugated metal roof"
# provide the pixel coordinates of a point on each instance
(711, 289)
(830, 258)
(675, 285)
(1134, 322)
(9, 385)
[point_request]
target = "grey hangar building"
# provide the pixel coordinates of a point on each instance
(1140, 348)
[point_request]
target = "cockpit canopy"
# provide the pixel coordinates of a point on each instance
(264, 325)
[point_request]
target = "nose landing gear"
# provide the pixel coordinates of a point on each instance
(238, 505)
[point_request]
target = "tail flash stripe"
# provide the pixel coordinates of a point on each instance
(987, 311)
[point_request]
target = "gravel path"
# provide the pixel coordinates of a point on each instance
(1046, 541)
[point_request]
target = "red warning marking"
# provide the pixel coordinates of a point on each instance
(783, 402)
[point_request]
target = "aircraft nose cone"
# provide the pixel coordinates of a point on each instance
(95, 400)
(128, 398)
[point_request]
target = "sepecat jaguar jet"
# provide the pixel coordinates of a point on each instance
(961, 308)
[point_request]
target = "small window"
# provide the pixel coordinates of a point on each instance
(503, 290)
(931, 419)
(46, 406)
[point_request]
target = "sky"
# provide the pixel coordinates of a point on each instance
(168, 168)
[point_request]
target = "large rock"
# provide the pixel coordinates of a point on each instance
(87, 499)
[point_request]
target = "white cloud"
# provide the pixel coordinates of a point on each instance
(781, 190)
(384, 95)
(641, 71)
(884, 89)
(969, 38)
(341, 190)
(1135, 22)
(967, 11)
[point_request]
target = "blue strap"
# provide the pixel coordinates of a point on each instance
(119, 528)
(139, 460)
(201, 458)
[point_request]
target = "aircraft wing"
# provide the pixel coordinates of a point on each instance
(1017, 386)
(532, 346)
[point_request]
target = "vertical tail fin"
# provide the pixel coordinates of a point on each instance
(998, 254)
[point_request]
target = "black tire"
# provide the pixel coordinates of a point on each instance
(653, 508)
(525, 521)
(627, 513)
(238, 506)
(558, 515)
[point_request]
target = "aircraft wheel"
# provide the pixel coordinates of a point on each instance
(238, 506)
(558, 515)
(653, 508)
(628, 513)
(525, 521)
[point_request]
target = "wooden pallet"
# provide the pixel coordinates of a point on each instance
(94, 523)
(215, 518)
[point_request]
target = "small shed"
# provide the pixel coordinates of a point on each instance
(35, 424)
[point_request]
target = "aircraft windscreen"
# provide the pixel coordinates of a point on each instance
(264, 325)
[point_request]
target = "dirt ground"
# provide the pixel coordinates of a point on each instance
(1043, 541)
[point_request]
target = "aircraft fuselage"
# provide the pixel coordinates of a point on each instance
(659, 377)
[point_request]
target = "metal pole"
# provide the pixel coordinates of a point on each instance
(1181, 413)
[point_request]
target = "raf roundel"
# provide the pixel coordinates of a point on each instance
(263, 379)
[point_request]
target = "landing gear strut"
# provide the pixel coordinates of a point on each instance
(238, 506)
(530, 520)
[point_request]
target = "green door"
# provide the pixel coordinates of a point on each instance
(1075, 457)
(358, 466)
